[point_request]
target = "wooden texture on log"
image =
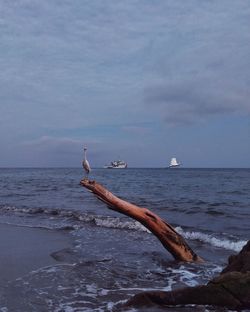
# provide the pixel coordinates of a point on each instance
(167, 235)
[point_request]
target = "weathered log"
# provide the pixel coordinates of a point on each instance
(167, 235)
(231, 289)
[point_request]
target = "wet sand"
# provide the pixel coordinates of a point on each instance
(24, 249)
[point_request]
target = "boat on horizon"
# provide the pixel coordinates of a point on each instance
(174, 163)
(117, 164)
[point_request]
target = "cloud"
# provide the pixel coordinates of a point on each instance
(137, 130)
(56, 151)
(191, 102)
(70, 69)
(54, 145)
(88, 62)
(201, 69)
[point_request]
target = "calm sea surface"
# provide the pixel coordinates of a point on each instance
(114, 257)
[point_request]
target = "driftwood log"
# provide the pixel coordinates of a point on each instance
(167, 235)
(231, 289)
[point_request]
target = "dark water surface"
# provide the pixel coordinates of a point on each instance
(114, 257)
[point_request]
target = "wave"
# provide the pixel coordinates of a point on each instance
(209, 239)
(117, 223)
(75, 219)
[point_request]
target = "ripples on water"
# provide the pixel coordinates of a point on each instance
(114, 257)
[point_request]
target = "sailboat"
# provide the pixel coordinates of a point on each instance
(174, 163)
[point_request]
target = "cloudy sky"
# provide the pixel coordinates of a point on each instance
(141, 80)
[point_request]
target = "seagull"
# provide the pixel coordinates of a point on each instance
(85, 163)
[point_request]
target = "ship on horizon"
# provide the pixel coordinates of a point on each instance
(117, 164)
(174, 163)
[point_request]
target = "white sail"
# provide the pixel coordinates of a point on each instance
(174, 163)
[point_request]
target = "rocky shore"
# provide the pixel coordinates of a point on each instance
(231, 289)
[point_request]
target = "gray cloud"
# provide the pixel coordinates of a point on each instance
(201, 70)
(136, 130)
(197, 100)
(58, 145)
(57, 151)
(68, 66)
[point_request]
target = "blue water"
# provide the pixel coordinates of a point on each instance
(114, 257)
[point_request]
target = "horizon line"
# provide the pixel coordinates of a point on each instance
(75, 167)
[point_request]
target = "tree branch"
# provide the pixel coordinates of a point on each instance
(167, 235)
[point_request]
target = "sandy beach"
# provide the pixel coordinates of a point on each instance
(26, 249)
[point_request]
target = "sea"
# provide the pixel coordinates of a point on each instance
(113, 257)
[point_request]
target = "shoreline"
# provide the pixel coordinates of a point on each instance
(24, 249)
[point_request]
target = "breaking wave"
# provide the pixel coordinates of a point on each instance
(75, 220)
(209, 239)
(117, 223)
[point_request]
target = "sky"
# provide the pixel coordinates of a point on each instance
(139, 80)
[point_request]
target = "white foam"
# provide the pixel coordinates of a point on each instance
(91, 288)
(186, 277)
(111, 305)
(171, 282)
(117, 223)
(69, 307)
(103, 292)
(216, 242)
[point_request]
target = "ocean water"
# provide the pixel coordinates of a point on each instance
(114, 257)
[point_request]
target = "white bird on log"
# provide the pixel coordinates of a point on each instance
(85, 163)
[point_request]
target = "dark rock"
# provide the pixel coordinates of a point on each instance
(239, 262)
(231, 289)
(65, 255)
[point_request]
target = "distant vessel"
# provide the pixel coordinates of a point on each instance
(117, 164)
(174, 163)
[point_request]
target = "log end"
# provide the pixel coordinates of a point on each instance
(85, 182)
(88, 184)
